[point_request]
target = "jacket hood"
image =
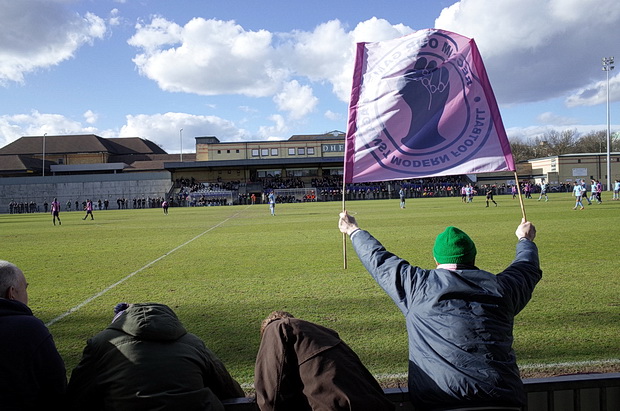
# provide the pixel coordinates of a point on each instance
(150, 321)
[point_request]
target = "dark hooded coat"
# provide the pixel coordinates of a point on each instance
(146, 360)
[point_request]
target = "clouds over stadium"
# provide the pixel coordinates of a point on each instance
(38, 34)
(276, 83)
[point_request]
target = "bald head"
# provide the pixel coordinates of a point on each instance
(13, 283)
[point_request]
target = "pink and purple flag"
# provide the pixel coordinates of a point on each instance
(422, 106)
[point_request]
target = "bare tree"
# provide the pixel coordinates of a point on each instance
(555, 143)
(593, 142)
(521, 151)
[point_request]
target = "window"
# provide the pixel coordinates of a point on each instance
(269, 173)
(274, 151)
(227, 151)
(254, 152)
(291, 151)
(219, 151)
(264, 152)
(303, 172)
(301, 151)
(310, 151)
(237, 151)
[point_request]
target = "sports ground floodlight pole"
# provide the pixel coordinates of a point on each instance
(44, 134)
(344, 235)
(608, 65)
(181, 141)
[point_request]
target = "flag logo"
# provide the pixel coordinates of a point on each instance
(422, 106)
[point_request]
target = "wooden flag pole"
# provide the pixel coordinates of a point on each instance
(520, 198)
(344, 235)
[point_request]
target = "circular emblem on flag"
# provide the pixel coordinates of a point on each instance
(425, 109)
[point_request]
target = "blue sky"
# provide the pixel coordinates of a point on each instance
(262, 70)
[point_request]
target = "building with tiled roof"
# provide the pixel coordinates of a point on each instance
(71, 153)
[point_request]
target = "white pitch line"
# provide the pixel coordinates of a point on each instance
(611, 361)
(541, 366)
(102, 292)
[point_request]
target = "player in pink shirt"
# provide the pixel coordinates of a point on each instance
(89, 210)
(56, 211)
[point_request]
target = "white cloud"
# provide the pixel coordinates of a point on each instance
(595, 93)
(115, 19)
(91, 117)
(36, 34)
(533, 51)
(275, 131)
(551, 119)
(536, 50)
(207, 57)
(163, 129)
(296, 99)
(155, 35)
(248, 109)
(328, 52)
(213, 57)
(36, 124)
(330, 115)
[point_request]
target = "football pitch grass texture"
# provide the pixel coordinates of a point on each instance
(224, 269)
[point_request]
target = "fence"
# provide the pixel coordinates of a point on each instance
(582, 392)
(78, 188)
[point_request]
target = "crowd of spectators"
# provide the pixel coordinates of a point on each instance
(327, 182)
(208, 201)
(138, 203)
(16, 207)
(187, 183)
(285, 199)
(326, 188)
(218, 186)
(22, 207)
(272, 183)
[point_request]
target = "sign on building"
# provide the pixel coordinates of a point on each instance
(580, 172)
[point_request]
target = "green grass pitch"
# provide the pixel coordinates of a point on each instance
(223, 269)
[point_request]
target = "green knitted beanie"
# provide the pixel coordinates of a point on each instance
(453, 246)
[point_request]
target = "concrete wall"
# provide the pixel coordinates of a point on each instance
(81, 187)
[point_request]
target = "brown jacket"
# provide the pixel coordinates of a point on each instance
(304, 366)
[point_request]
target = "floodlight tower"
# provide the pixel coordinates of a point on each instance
(181, 138)
(45, 134)
(608, 65)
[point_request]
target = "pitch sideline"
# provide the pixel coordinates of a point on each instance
(105, 290)
(528, 367)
